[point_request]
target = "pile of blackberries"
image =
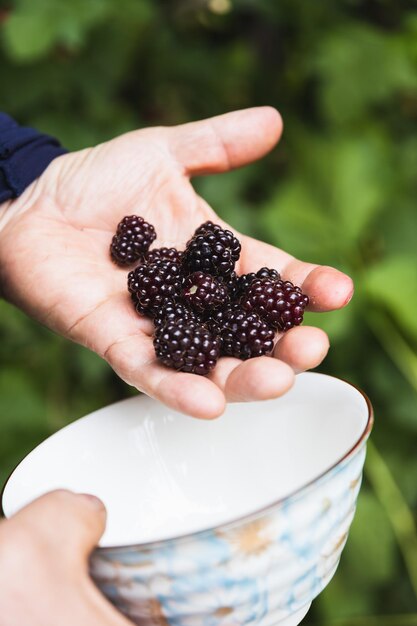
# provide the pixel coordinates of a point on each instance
(200, 307)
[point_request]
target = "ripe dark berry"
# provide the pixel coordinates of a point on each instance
(174, 311)
(203, 292)
(187, 347)
(231, 283)
(153, 284)
(268, 272)
(206, 227)
(134, 299)
(132, 239)
(215, 320)
(280, 303)
(167, 254)
(245, 335)
(243, 282)
(212, 251)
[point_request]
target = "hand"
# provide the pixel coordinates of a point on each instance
(44, 553)
(55, 265)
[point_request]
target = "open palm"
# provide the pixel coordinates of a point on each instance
(55, 264)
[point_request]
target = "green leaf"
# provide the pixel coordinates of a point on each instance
(20, 401)
(360, 178)
(371, 535)
(33, 29)
(393, 282)
(361, 66)
(90, 366)
(226, 196)
(342, 598)
(397, 509)
(337, 324)
(28, 37)
(294, 220)
(397, 228)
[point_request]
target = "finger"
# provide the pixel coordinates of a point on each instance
(262, 378)
(224, 142)
(123, 338)
(302, 348)
(220, 374)
(188, 393)
(327, 288)
(55, 534)
(64, 522)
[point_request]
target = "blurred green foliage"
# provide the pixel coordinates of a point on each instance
(339, 190)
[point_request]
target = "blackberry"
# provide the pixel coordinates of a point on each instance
(134, 299)
(245, 335)
(243, 282)
(187, 347)
(215, 320)
(231, 283)
(167, 254)
(280, 303)
(268, 272)
(203, 292)
(132, 239)
(152, 284)
(174, 311)
(212, 251)
(206, 227)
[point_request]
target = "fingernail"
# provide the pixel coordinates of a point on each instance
(349, 298)
(93, 501)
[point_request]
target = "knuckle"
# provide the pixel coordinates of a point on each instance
(124, 361)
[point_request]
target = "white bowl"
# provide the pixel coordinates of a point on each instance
(237, 520)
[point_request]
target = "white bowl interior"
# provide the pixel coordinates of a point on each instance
(162, 474)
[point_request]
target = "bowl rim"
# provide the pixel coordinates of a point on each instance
(247, 517)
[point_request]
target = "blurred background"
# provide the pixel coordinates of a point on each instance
(340, 189)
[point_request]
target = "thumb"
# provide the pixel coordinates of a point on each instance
(224, 142)
(64, 521)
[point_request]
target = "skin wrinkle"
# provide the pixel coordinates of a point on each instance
(129, 378)
(159, 152)
(70, 169)
(152, 191)
(161, 383)
(286, 268)
(222, 145)
(153, 200)
(209, 125)
(121, 340)
(67, 331)
(15, 208)
(87, 315)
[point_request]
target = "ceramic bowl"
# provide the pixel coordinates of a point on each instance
(240, 520)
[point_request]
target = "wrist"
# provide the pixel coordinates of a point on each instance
(25, 154)
(14, 223)
(10, 210)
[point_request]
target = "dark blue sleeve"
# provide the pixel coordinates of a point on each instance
(24, 154)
